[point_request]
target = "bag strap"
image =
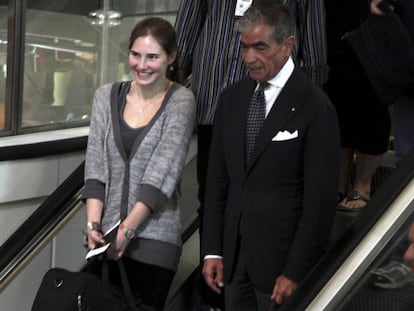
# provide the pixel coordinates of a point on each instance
(116, 89)
(125, 284)
(124, 280)
(105, 273)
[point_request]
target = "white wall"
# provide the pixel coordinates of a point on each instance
(25, 191)
(24, 184)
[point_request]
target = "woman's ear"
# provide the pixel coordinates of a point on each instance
(171, 57)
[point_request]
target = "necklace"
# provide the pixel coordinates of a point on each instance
(154, 100)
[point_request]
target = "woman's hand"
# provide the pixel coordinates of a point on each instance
(95, 238)
(118, 246)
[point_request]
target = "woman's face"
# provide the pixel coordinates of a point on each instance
(148, 61)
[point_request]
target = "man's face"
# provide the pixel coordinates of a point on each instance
(409, 254)
(263, 56)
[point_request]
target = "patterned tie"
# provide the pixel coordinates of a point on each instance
(255, 117)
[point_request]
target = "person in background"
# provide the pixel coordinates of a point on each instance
(396, 273)
(409, 252)
(209, 46)
(140, 132)
(408, 305)
(269, 211)
(402, 111)
(364, 121)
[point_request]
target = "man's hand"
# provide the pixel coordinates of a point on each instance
(375, 9)
(283, 288)
(213, 273)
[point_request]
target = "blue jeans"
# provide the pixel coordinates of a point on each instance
(402, 123)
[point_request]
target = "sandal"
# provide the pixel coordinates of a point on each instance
(353, 195)
(339, 197)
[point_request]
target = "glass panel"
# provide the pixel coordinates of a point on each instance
(115, 34)
(71, 49)
(59, 65)
(388, 283)
(3, 62)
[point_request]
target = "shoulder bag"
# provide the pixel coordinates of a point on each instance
(64, 290)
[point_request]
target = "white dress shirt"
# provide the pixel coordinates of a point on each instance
(277, 83)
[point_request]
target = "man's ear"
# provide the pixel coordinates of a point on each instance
(289, 45)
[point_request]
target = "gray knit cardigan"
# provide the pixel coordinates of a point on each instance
(152, 172)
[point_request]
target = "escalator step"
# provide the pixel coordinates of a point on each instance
(374, 299)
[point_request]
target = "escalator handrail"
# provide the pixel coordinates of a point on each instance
(50, 209)
(357, 230)
(41, 149)
(55, 207)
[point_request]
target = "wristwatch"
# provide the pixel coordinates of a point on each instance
(93, 225)
(129, 233)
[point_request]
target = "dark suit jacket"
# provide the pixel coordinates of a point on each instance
(283, 204)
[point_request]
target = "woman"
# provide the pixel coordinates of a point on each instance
(136, 150)
(364, 121)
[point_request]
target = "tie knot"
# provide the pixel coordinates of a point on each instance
(263, 86)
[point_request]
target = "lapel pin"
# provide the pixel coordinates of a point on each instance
(293, 109)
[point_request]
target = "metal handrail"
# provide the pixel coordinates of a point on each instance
(43, 225)
(40, 224)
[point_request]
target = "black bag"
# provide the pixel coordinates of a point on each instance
(385, 48)
(64, 290)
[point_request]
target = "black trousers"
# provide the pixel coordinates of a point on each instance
(241, 294)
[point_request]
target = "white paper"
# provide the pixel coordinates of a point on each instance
(97, 251)
(102, 249)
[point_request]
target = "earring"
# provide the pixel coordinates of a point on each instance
(171, 68)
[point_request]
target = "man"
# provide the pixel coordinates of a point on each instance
(209, 54)
(267, 221)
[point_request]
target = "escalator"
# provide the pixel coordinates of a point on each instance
(343, 278)
(341, 281)
(52, 237)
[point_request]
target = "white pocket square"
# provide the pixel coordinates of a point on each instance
(285, 135)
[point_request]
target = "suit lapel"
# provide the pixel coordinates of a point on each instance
(286, 106)
(239, 112)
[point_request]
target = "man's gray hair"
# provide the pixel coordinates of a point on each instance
(277, 16)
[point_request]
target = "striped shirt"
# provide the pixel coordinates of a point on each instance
(209, 47)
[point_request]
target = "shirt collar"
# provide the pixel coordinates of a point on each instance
(281, 78)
